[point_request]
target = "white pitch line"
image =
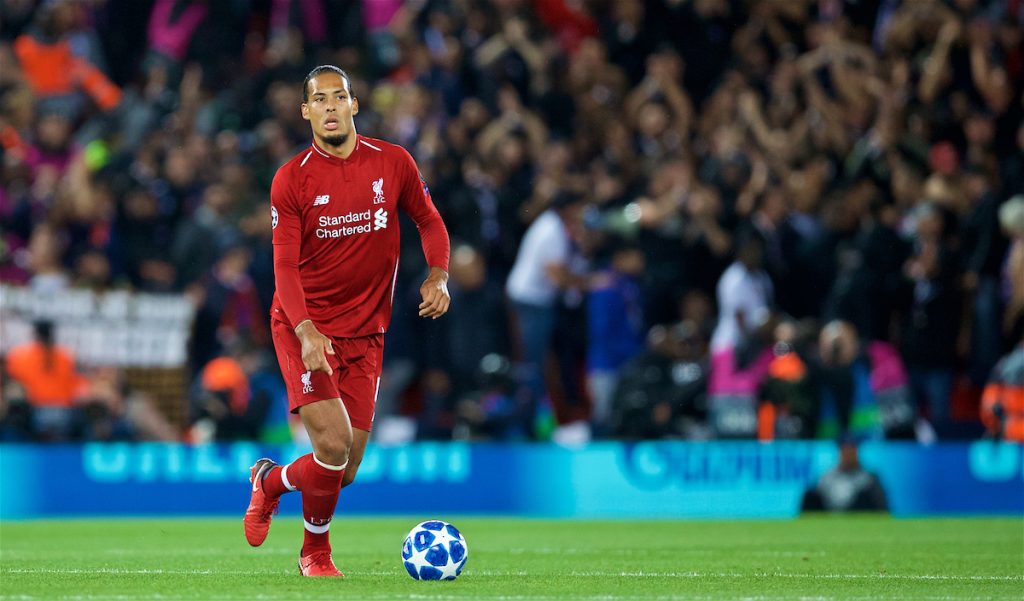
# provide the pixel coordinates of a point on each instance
(893, 576)
(521, 573)
(119, 571)
(791, 575)
(447, 597)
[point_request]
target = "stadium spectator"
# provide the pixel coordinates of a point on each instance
(662, 392)
(833, 128)
(111, 410)
(1002, 403)
(139, 237)
(539, 276)
(51, 381)
(847, 486)
(199, 241)
(1011, 219)
(15, 414)
(456, 344)
(225, 406)
(615, 321)
(739, 353)
(229, 312)
(490, 412)
(790, 396)
(48, 274)
(104, 415)
(931, 301)
(57, 66)
(865, 384)
(983, 251)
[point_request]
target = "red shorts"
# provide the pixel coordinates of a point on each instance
(356, 363)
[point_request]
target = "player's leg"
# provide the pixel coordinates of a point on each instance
(269, 480)
(277, 482)
(317, 475)
(330, 432)
(303, 388)
(355, 455)
(363, 358)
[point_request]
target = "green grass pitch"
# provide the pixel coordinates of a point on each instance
(815, 559)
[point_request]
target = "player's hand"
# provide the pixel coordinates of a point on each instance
(314, 347)
(435, 294)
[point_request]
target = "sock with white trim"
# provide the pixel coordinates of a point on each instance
(277, 480)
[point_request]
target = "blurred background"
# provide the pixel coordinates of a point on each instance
(693, 220)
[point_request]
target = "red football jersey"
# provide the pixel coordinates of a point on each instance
(341, 213)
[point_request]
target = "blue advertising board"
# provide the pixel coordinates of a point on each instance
(656, 479)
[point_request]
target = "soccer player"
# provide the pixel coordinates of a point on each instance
(336, 247)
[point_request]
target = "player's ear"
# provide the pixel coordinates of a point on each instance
(304, 109)
(355, 105)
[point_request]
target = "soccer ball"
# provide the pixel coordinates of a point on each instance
(434, 550)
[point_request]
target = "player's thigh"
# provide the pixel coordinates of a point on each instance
(329, 429)
(359, 379)
(355, 455)
(303, 386)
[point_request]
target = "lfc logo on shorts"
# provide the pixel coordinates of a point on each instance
(307, 386)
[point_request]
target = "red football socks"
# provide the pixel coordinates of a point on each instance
(320, 486)
(275, 483)
(319, 483)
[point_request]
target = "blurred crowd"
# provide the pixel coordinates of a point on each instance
(689, 219)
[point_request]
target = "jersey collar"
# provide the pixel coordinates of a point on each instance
(320, 152)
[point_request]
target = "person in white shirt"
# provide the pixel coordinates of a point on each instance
(540, 274)
(744, 296)
(744, 306)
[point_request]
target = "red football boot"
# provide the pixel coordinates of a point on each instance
(261, 508)
(318, 563)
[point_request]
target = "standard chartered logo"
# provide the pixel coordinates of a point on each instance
(350, 224)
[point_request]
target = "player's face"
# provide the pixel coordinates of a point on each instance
(330, 109)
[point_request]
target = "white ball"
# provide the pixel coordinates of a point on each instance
(434, 550)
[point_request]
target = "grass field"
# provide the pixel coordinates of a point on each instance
(841, 558)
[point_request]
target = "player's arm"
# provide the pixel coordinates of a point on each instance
(417, 203)
(287, 234)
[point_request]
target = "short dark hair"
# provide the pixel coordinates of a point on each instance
(324, 69)
(43, 329)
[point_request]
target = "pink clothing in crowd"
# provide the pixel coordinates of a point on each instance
(314, 20)
(171, 38)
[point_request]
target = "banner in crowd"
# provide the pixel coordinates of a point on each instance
(116, 328)
(601, 480)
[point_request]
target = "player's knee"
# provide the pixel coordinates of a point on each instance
(334, 450)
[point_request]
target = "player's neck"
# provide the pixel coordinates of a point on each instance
(341, 151)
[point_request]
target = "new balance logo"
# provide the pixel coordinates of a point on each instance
(380, 219)
(307, 386)
(321, 200)
(378, 191)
